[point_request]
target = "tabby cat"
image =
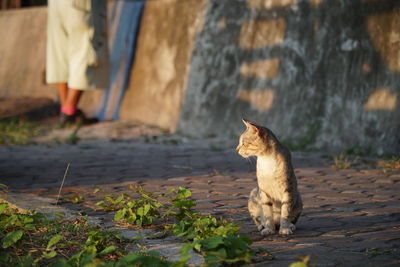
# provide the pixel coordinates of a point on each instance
(275, 202)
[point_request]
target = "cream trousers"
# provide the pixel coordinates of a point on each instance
(77, 44)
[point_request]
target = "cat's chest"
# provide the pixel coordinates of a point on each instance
(267, 167)
(268, 176)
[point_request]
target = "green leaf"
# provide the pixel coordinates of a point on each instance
(222, 253)
(303, 263)
(60, 215)
(211, 259)
(30, 227)
(4, 258)
(145, 260)
(186, 248)
(131, 219)
(184, 192)
(90, 250)
(12, 238)
(109, 199)
(108, 250)
(49, 255)
(96, 190)
(140, 211)
(212, 242)
(120, 214)
(147, 220)
(119, 199)
(3, 207)
(87, 259)
(130, 204)
(146, 208)
(100, 203)
(62, 263)
(27, 220)
(130, 258)
(54, 240)
(197, 246)
(298, 264)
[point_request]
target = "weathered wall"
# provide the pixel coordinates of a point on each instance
(162, 61)
(22, 53)
(318, 73)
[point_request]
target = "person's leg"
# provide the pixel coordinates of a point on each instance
(70, 105)
(63, 93)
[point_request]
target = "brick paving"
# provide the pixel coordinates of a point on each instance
(351, 217)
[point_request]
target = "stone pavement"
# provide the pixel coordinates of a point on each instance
(351, 217)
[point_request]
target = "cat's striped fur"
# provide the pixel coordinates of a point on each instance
(276, 201)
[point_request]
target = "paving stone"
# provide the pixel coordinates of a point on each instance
(352, 192)
(384, 181)
(246, 180)
(390, 234)
(206, 205)
(345, 211)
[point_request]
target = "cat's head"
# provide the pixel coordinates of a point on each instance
(254, 141)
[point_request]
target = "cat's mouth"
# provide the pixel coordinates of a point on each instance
(241, 153)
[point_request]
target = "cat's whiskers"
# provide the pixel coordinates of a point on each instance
(250, 160)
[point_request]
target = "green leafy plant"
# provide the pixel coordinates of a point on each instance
(228, 249)
(181, 203)
(197, 227)
(303, 262)
(148, 260)
(216, 239)
(140, 212)
(217, 250)
(111, 203)
(75, 199)
(18, 131)
(12, 238)
(31, 239)
(192, 225)
(60, 243)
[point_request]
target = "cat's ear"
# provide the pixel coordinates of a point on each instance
(252, 126)
(246, 122)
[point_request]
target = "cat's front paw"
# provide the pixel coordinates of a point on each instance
(260, 227)
(287, 231)
(268, 231)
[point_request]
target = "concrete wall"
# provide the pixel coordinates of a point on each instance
(164, 49)
(22, 53)
(319, 73)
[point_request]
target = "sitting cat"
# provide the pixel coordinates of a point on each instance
(275, 201)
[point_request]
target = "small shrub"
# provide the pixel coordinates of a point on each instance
(303, 262)
(18, 131)
(140, 212)
(393, 163)
(343, 162)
